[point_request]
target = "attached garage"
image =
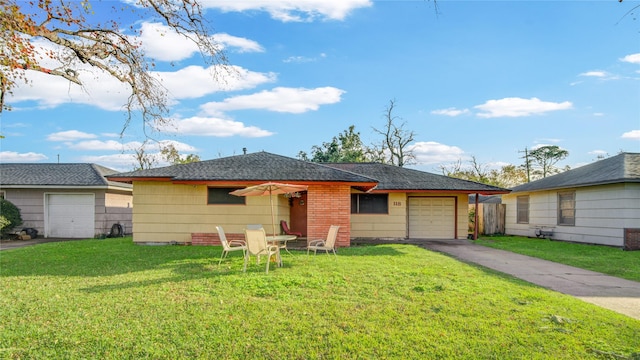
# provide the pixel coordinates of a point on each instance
(432, 217)
(69, 215)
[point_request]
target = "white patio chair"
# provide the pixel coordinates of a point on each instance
(327, 244)
(257, 245)
(229, 246)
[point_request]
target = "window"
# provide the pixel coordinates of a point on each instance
(221, 196)
(567, 208)
(523, 209)
(369, 203)
(1, 194)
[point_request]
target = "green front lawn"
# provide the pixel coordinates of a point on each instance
(111, 299)
(603, 259)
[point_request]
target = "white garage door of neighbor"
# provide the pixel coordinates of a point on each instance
(432, 217)
(70, 215)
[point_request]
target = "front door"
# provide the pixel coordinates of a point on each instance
(298, 214)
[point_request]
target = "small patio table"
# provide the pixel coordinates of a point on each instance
(281, 241)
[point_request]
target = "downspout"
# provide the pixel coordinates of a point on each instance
(475, 220)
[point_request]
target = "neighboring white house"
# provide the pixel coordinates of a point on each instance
(67, 200)
(597, 203)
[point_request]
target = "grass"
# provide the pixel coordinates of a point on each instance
(111, 299)
(604, 259)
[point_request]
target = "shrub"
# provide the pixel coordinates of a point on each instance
(11, 215)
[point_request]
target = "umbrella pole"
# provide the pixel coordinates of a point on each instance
(273, 219)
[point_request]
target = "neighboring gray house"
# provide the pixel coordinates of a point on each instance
(67, 200)
(597, 203)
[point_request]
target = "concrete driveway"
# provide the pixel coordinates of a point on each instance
(619, 295)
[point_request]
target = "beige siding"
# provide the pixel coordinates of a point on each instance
(165, 212)
(602, 213)
(392, 225)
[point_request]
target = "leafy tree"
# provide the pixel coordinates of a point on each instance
(74, 38)
(346, 147)
(168, 152)
(545, 158)
(171, 154)
(506, 177)
(10, 216)
(394, 147)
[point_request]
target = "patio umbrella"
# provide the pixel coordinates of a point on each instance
(270, 188)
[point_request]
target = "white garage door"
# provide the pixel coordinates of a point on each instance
(432, 218)
(70, 215)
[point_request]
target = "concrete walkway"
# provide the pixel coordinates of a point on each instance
(619, 295)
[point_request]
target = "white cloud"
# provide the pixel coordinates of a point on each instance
(304, 59)
(431, 152)
(633, 58)
(13, 157)
(121, 162)
(280, 99)
(595, 73)
(162, 43)
(196, 81)
(450, 112)
(287, 10)
(216, 127)
(519, 107)
(99, 145)
(598, 152)
(237, 44)
(633, 135)
(70, 135)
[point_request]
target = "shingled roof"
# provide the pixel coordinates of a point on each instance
(259, 166)
(391, 177)
(264, 166)
(624, 167)
(51, 175)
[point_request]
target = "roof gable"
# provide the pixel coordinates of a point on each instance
(624, 167)
(78, 175)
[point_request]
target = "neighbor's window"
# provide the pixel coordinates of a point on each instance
(523, 209)
(221, 196)
(567, 208)
(369, 203)
(1, 194)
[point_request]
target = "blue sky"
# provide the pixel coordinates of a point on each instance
(474, 78)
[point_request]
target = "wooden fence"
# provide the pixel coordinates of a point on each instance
(491, 218)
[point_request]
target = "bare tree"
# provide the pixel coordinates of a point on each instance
(72, 29)
(396, 139)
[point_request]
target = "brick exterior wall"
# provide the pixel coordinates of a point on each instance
(329, 205)
(631, 239)
(212, 238)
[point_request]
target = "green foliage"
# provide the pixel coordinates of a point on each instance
(545, 158)
(11, 216)
(111, 299)
(604, 259)
(346, 147)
